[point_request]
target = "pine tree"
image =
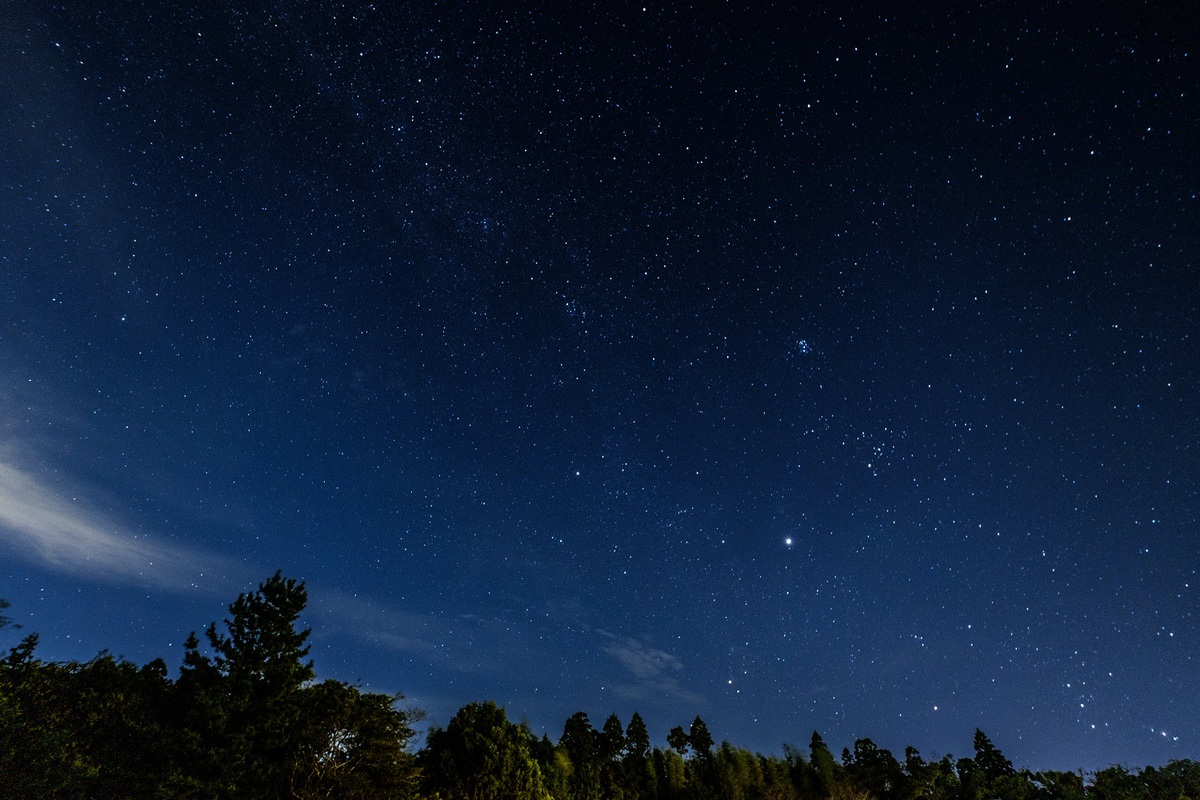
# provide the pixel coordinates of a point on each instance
(242, 707)
(637, 739)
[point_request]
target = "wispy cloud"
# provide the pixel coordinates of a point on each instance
(654, 673)
(401, 631)
(463, 643)
(61, 530)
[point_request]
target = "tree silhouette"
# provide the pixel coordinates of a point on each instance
(246, 719)
(637, 738)
(481, 756)
(5, 620)
(700, 739)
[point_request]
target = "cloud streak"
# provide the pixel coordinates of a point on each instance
(654, 673)
(465, 643)
(62, 532)
(401, 631)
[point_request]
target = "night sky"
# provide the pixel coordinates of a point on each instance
(831, 367)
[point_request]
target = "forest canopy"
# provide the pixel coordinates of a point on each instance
(247, 717)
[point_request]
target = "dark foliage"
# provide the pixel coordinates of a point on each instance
(247, 719)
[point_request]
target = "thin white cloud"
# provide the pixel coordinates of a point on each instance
(401, 631)
(655, 673)
(464, 643)
(47, 525)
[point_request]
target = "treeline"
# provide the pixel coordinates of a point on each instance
(246, 718)
(480, 754)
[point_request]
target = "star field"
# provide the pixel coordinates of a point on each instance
(823, 368)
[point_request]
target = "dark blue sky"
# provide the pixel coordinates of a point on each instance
(823, 369)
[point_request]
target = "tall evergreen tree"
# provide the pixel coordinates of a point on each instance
(579, 739)
(639, 772)
(702, 766)
(637, 738)
(824, 767)
(263, 652)
(251, 725)
(581, 742)
(611, 741)
(700, 739)
(989, 759)
(245, 702)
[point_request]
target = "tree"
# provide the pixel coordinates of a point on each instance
(262, 659)
(611, 741)
(1179, 778)
(1054, 785)
(119, 720)
(252, 725)
(700, 739)
(779, 780)
(934, 780)
(1116, 783)
(823, 765)
(989, 759)
(637, 739)
(5, 620)
(243, 722)
(94, 729)
(991, 776)
(639, 772)
(243, 705)
(555, 766)
(202, 707)
(38, 755)
(738, 774)
(875, 771)
(677, 739)
(480, 755)
(801, 773)
(581, 743)
(701, 766)
(579, 739)
(353, 745)
(670, 772)
(263, 652)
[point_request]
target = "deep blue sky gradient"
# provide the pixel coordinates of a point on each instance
(829, 369)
